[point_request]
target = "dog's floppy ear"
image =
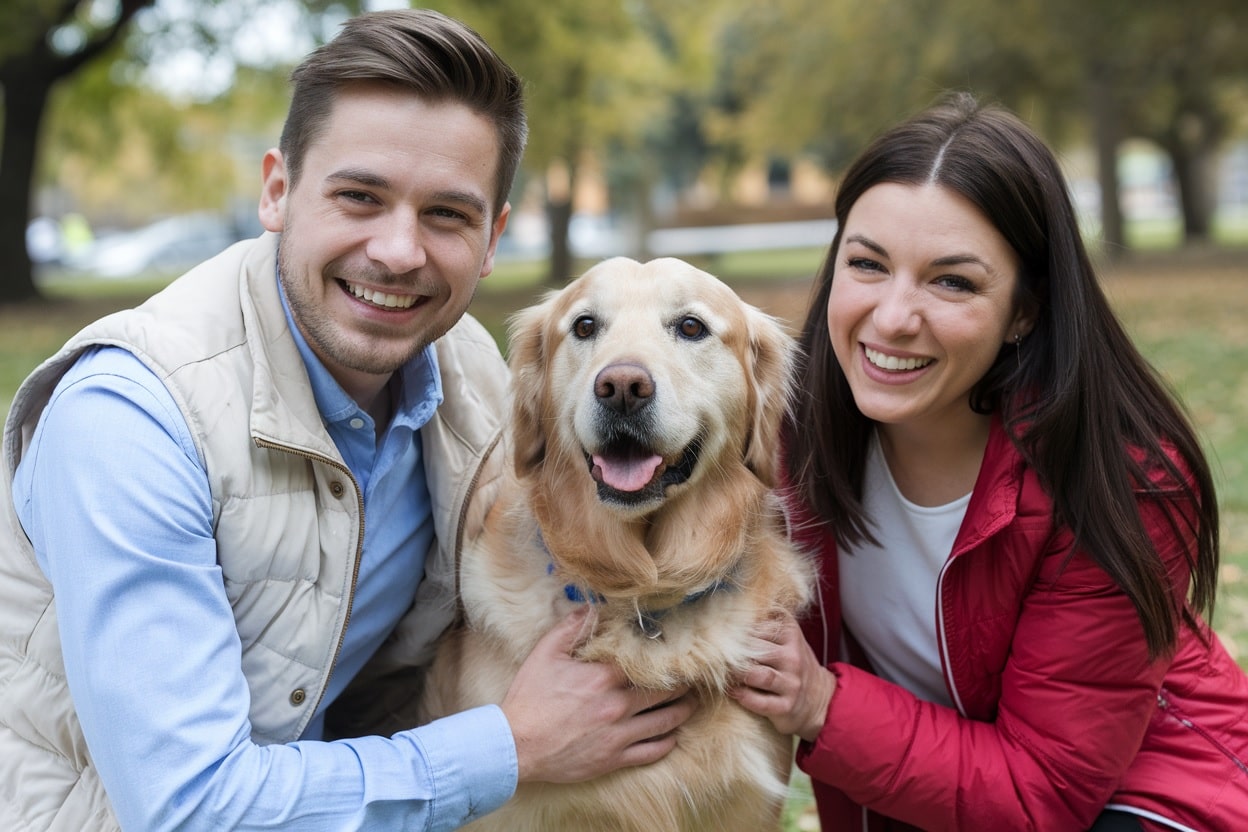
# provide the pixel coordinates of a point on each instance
(770, 365)
(527, 357)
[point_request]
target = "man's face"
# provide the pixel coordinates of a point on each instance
(387, 230)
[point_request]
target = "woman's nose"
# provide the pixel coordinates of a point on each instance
(897, 310)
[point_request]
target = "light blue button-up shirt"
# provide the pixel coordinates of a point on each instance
(117, 505)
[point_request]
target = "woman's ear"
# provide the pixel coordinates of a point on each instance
(1022, 325)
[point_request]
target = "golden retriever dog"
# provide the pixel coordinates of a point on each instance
(647, 402)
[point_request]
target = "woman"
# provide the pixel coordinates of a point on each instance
(1016, 524)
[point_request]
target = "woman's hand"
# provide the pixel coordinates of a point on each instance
(787, 684)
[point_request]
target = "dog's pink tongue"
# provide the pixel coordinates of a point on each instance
(626, 474)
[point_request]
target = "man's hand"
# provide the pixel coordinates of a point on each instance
(787, 683)
(575, 720)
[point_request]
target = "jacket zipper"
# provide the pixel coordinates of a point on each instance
(943, 638)
(1163, 702)
(359, 549)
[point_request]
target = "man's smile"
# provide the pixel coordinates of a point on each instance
(377, 298)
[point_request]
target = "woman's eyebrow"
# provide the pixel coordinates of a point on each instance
(866, 241)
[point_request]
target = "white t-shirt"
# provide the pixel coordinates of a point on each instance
(888, 592)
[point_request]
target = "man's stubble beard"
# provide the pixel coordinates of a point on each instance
(323, 334)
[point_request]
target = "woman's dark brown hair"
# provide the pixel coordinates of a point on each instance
(1076, 395)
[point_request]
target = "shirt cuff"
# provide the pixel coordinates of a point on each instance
(472, 759)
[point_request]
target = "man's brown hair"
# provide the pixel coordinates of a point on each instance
(433, 56)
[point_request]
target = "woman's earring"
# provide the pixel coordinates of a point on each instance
(1018, 349)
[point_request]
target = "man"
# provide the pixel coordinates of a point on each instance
(235, 501)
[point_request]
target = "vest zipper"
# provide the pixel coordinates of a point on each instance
(355, 569)
(1163, 702)
(463, 514)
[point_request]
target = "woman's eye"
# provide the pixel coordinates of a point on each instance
(584, 326)
(957, 283)
(864, 263)
(690, 327)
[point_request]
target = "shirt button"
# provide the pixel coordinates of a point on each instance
(356, 423)
(297, 696)
(336, 488)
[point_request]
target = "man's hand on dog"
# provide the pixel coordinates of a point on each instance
(575, 720)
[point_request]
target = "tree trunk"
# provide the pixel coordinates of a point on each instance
(1192, 159)
(560, 203)
(1105, 127)
(559, 216)
(25, 100)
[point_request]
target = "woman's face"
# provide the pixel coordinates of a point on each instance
(923, 296)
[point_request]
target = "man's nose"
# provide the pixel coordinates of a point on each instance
(396, 243)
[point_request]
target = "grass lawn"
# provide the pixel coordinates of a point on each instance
(1187, 311)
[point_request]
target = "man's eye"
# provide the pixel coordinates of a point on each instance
(584, 326)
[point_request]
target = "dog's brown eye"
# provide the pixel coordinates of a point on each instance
(584, 326)
(692, 328)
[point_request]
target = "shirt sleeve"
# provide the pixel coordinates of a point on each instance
(117, 505)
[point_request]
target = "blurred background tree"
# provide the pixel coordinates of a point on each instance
(651, 113)
(594, 79)
(86, 66)
(41, 42)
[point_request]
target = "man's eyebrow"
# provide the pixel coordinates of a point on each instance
(359, 176)
(466, 198)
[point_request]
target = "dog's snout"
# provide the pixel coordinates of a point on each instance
(625, 388)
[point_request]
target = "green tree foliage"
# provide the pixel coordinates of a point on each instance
(175, 149)
(596, 78)
(1153, 69)
(821, 76)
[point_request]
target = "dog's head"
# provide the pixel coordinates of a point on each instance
(647, 378)
(633, 387)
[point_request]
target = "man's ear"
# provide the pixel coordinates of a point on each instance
(496, 233)
(273, 190)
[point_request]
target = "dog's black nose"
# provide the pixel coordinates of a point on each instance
(625, 388)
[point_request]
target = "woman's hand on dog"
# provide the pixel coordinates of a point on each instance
(575, 720)
(787, 683)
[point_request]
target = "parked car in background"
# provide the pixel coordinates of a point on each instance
(170, 245)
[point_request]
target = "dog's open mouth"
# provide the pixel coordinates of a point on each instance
(629, 473)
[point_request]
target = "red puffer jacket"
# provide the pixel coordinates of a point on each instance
(1059, 710)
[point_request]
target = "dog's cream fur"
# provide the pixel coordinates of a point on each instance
(679, 572)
